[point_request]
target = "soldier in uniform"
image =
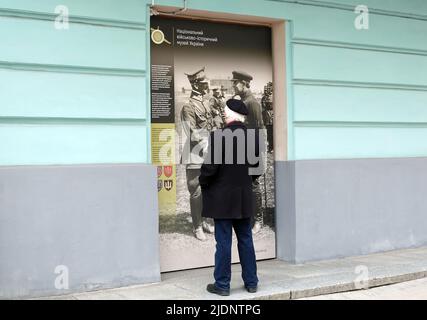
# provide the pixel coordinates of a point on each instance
(241, 85)
(217, 104)
(197, 122)
(267, 113)
(223, 90)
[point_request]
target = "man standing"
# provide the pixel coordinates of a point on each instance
(226, 181)
(267, 113)
(217, 103)
(241, 85)
(197, 123)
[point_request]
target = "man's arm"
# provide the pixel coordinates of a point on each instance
(188, 120)
(209, 169)
(256, 107)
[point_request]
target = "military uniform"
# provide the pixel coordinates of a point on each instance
(267, 115)
(217, 104)
(253, 121)
(254, 117)
(197, 122)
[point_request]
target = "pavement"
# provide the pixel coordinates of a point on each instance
(281, 280)
(409, 290)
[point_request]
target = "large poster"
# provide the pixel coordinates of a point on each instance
(195, 67)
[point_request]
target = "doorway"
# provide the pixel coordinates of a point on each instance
(190, 46)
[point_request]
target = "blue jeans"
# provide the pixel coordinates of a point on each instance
(245, 245)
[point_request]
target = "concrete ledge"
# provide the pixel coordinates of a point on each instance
(350, 286)
(282, 280)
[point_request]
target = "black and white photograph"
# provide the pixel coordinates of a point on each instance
(211, 64)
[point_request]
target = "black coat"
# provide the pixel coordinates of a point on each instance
(227, 186)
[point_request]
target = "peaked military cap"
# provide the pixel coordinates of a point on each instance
(198, 76)
(241, 75)
(237, 106)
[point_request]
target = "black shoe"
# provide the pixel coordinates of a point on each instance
(212, 288)
(251, 289)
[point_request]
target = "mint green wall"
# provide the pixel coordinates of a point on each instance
(80, 95)
(77, 95)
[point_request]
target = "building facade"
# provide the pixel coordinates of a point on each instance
(78, 192)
